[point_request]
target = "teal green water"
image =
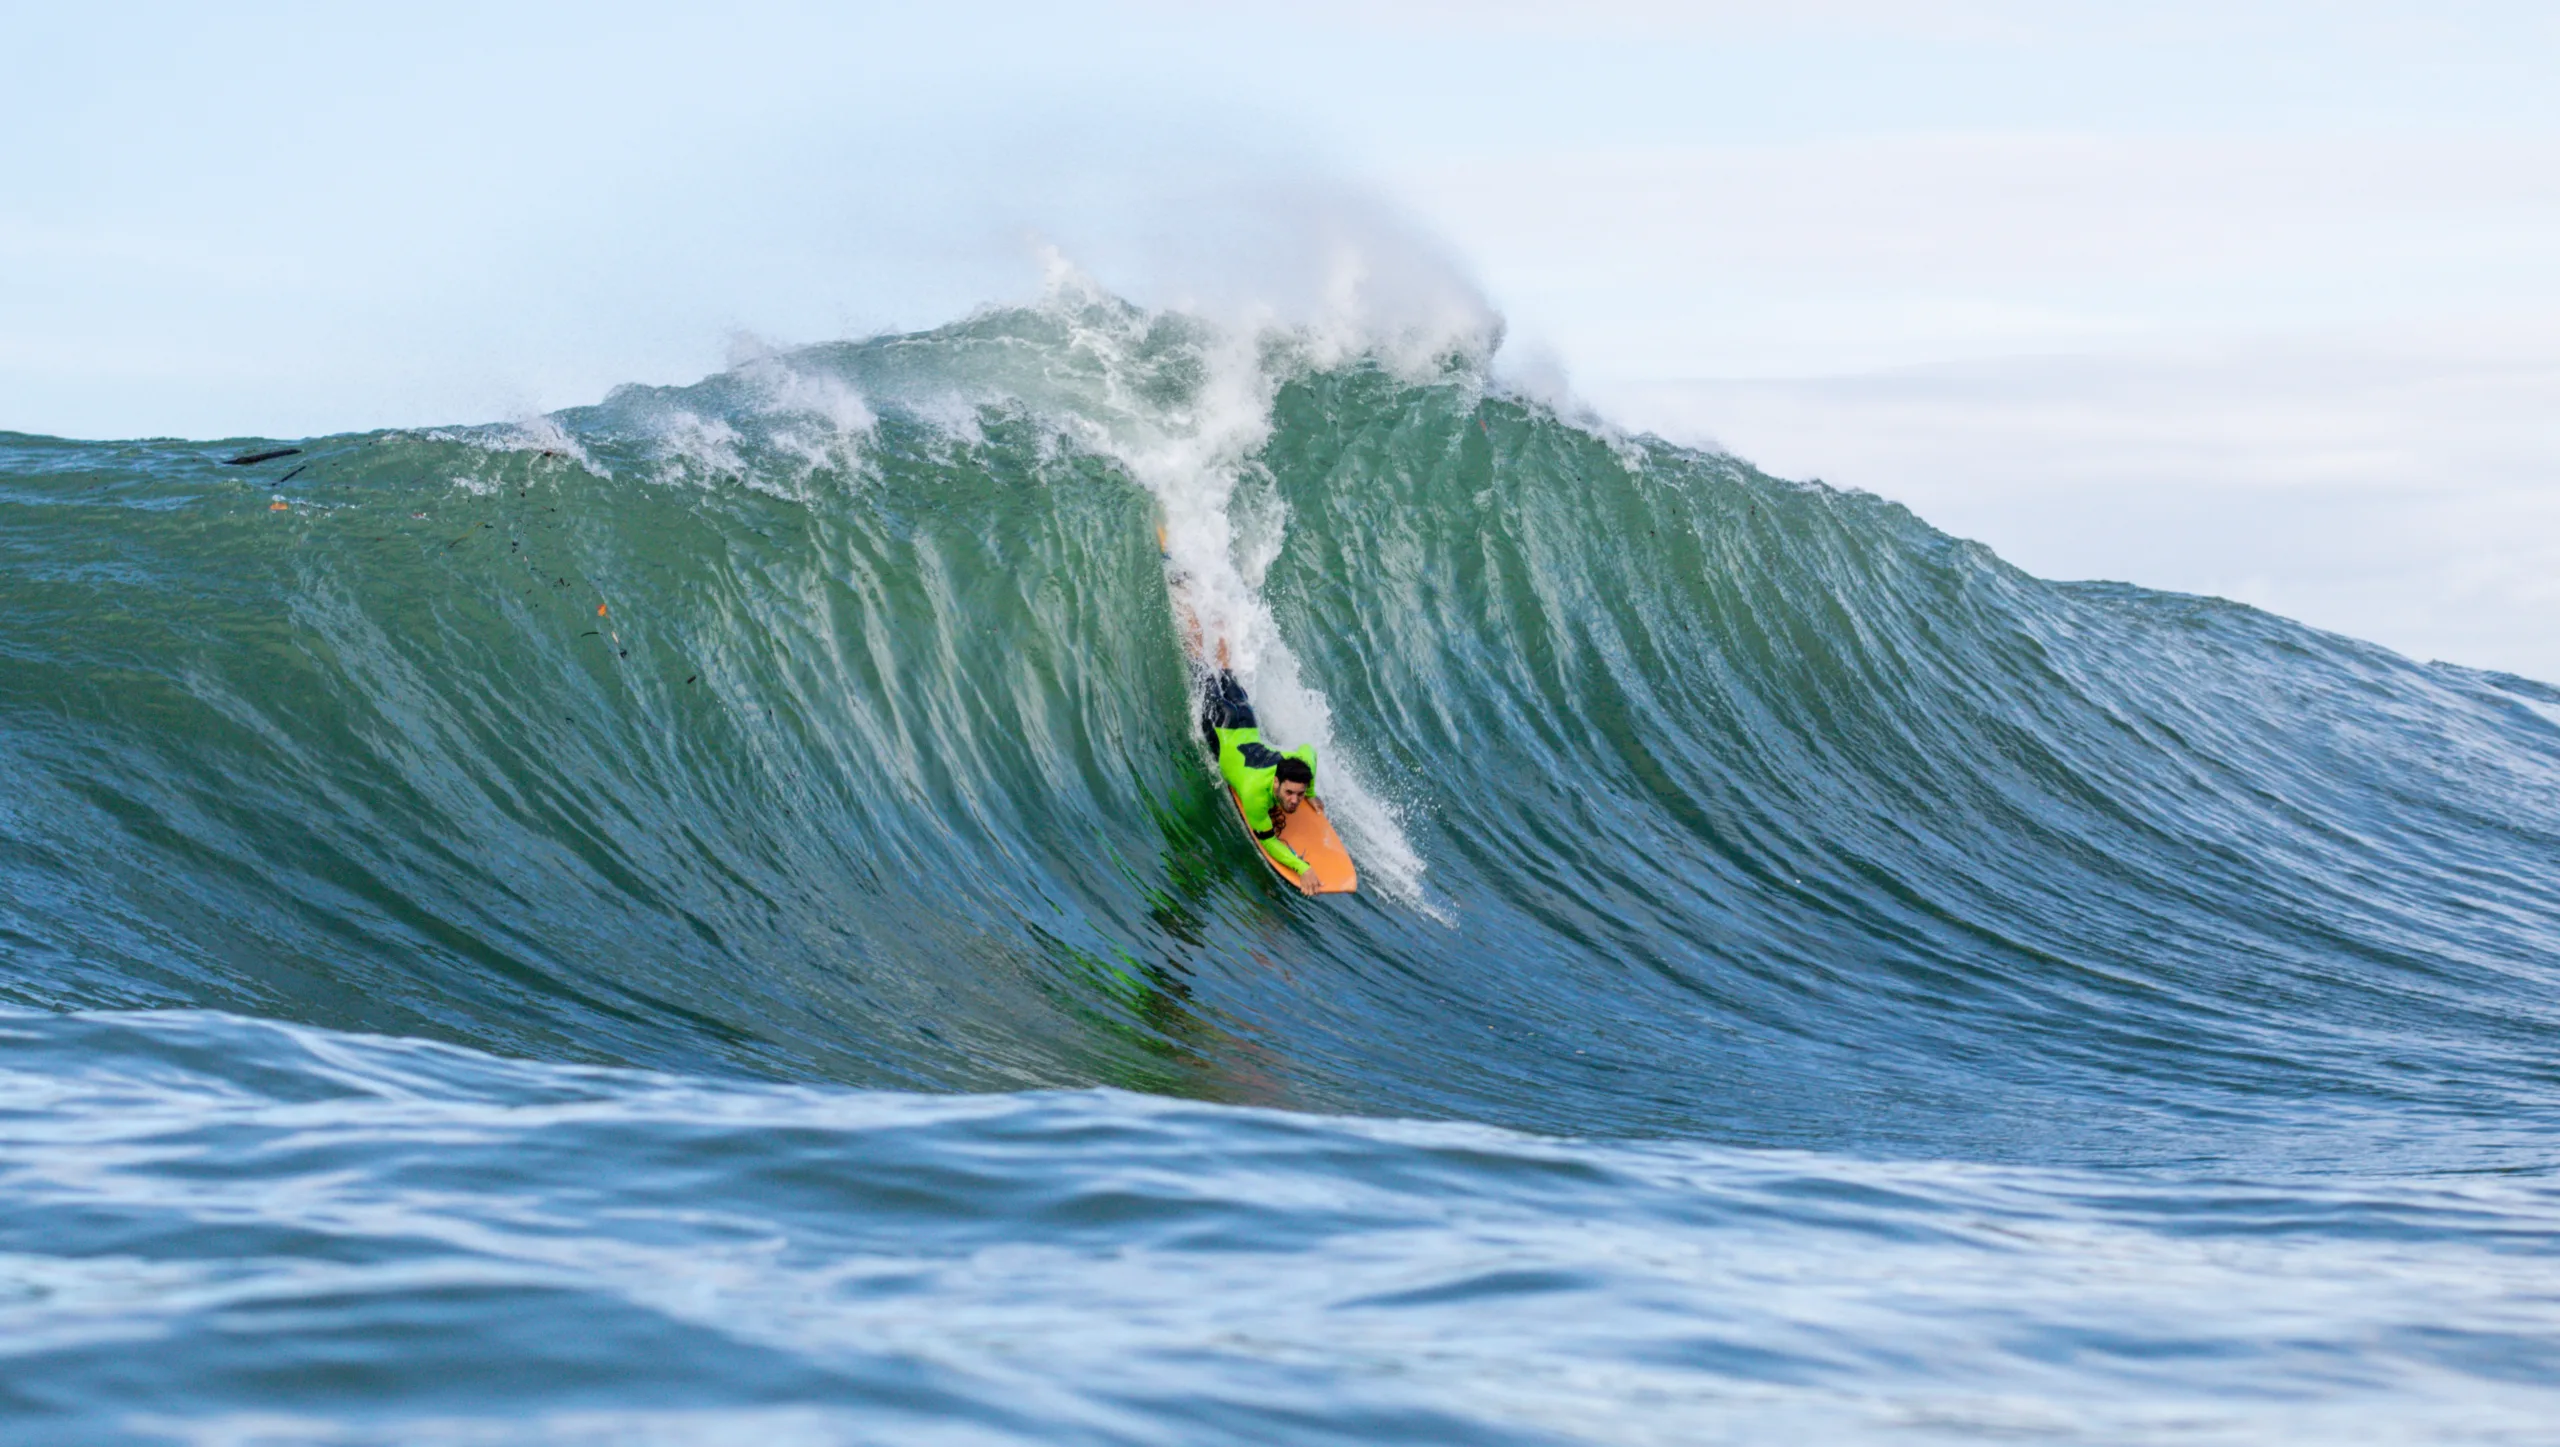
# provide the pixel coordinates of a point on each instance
(575, 931)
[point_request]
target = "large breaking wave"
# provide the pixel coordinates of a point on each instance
(824, 721)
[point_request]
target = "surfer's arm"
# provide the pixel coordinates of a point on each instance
(1266, 832)
(1282, 855)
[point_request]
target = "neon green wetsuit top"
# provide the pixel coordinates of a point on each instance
(1252, 768)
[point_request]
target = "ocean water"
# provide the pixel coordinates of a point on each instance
(702, 918)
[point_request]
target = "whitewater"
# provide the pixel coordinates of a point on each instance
(702, 918)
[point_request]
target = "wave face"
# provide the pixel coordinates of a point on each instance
(824, 724)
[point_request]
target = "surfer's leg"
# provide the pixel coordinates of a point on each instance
(1224, 706)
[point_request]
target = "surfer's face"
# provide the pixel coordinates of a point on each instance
(1290, 794)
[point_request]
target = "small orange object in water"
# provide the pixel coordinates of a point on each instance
(599, 610)
(275, 507)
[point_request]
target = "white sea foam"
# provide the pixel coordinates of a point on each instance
(538, 433)
(532, 432)
(703, 445)
(815, 415)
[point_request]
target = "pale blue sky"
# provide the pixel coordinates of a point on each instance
(1849, 241)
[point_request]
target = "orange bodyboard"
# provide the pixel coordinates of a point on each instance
(1311, 835)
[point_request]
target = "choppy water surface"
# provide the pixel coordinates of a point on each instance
(701, 919)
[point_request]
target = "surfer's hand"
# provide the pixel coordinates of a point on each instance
(1307, 880)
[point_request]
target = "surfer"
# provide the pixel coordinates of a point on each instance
(1272, 788)
(1269, 785)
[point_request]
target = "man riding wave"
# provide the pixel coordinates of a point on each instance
(1270, 785)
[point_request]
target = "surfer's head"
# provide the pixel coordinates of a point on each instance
(1294, 779)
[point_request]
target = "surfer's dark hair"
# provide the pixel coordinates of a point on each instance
(1295, 771)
